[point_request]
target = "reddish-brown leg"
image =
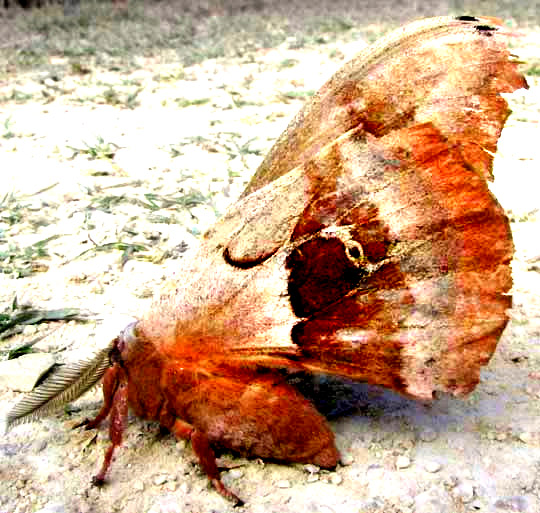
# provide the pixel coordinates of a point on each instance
(205, 454)
(110, 384)
(116, 403)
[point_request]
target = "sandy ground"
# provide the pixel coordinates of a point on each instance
(479, 454)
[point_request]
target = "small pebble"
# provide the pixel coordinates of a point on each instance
(515, 503)
(403, 462)
(312, 469)
(432, 466)
(52, 508)
(138, 486)
(450, 482)
(79, 277)
(464, 492)
(428, 434)
(84, 507)
(30, 329)
(159, 480)
(434, 500)
(170, 486)
(525, 437)
(501, 437)
(283, 483)
(185, 488)
(477, 505)
(346, 459)
(235, 473)
(466, 474)
(407, 501)
(154, 236)
(39, 445)
(375, 472)
(336, 479)
(312, 478)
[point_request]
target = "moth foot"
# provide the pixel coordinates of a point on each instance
(98, 481)
(88, 424)
(220, 488)
(82, 423)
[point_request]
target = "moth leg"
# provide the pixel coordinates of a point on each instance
(110, 385)
(118, 422)
(206, 456)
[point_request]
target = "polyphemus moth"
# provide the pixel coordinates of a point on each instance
(367, 246)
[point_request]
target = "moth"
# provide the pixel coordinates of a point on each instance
(367, 246)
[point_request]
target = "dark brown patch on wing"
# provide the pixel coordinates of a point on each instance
(322, 272)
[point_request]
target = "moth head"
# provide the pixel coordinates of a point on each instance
(125, 343)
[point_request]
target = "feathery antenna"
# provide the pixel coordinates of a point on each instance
(64, 386)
